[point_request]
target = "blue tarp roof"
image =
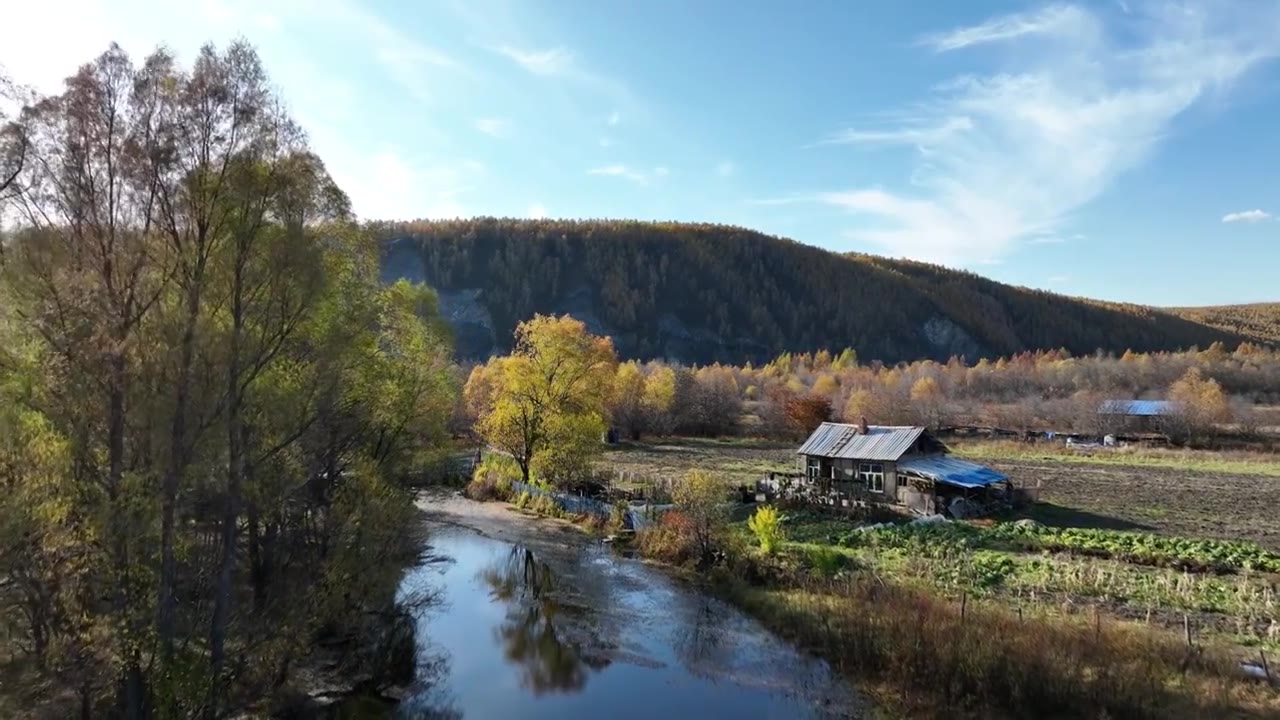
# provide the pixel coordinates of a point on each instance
(1138, 408)
(952, 471)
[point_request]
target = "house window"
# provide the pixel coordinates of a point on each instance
(872, 475)
(814, 469)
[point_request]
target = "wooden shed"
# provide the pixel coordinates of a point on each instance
(893, 465)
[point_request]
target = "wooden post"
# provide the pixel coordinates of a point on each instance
(1186, 628)
(964, 604)
(1266, 668)
(1097, 623)
(1019, 614)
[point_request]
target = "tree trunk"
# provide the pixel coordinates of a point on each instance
(231, 507)
(133, 684)
(256, 577)
(168, 601)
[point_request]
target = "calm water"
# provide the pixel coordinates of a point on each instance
(565, 631)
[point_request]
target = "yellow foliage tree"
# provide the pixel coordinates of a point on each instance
(1201, 403)
(548, 398)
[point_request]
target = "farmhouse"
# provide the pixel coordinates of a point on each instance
(845, 464)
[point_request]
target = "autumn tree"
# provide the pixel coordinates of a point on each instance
(545, 403)
(626, 401)
(807, 412)
(928, 403)
(703, 501)
(196, 351)
(659, 400)
(1201, 405)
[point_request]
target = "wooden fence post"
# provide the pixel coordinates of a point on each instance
(964, 604)
(1186, 628)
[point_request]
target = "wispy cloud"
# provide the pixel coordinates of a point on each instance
(553, 61)
(622, 171)
(1052, 125)
(495, 127)
(537, 211)
(605, 142)
(1246, 216)
(1055, 19)
(914, 134)
(614, 118)
(726, 168)
(661, 171)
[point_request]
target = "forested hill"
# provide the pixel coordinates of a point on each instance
(1260, 321)
(703, 293)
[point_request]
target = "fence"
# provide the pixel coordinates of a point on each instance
(634, 518)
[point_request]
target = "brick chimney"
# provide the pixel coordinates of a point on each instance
(862, 425)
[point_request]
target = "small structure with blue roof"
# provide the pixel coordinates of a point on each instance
(1137, 416)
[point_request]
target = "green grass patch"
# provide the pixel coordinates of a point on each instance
(1259, 464)
(936, 540)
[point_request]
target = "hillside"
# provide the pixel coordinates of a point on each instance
(703, 293)
(1260, 321)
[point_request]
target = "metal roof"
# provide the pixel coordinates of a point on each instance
(952, 471)
(842, 440)
(1139, 408)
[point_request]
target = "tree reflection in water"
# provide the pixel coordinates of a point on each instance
(529, 635)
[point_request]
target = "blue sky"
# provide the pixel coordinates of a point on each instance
(1122, 150)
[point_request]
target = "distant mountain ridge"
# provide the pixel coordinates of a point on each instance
(700, 293)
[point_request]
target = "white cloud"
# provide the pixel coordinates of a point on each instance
(537, 211)
(619, 170)
(1052, 126)
(614, 118)
(725, 169)
(495, 127)
(914, 134)
(1248, 216)
(553, 61)
(1055, 19)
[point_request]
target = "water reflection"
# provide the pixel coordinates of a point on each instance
(530, 636)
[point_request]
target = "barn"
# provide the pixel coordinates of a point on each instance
(845, 465)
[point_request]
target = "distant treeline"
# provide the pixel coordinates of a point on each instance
(789, 395)
(705, 293)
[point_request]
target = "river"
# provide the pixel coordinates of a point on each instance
(533, 619)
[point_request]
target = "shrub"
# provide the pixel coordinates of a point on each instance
(767, 527)
(617, 517)
(522, 500)
(493, 479)
(700, 498)
(824, 561)
(482, 488)
(673, 539)
(546, 505)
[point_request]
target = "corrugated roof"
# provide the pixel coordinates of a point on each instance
(952, 471)
(842, 440)
(1139, 408)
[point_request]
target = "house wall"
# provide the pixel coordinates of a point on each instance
(846, 474)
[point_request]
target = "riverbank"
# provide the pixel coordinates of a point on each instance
(925, 652)
(541, 619)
